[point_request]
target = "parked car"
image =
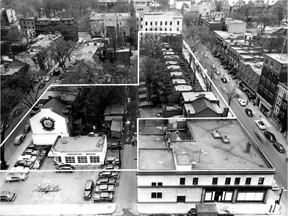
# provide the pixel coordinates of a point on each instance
(7, 196)
(47, 78)
(26, 129)
(242, 102)
(56, 71)
(12, 177)
(249, 112)
(104, 188)
(89, 186)
(103, 197)
(19, 139)
(108, 174)
(42, 84)
(38, 163)
(275, 187)
(260, 124)
(111, 160)
(35, 80)
(115, 145)
(109, 181)
(192, 212)
(223, 79)
(68, 168)
(279, 147)
(270, 136)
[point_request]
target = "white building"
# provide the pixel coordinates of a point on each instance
(235, 26)
(47, 125)
(161, 21)
(80, 150)
(199, 161)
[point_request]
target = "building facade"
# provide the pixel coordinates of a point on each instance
(169, 21)
(28, 26)
(231, 6)
(103, 24)
(274, 71)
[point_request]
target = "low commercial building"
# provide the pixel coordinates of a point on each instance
(80, 150)
(181, 162)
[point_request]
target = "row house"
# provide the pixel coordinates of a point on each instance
(274, 71)
(231, 6)
(199, 161)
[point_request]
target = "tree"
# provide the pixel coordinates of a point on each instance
(149, 71)
(280, 10)
(218, 5)
(164, 4)
(265, 19)
(190, 19)
(246, 10)
(150, 42)
(231, 95)
(271, 43)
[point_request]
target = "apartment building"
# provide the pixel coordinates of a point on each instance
(280, 103)
(168, 21)
(231, 6)
(182, 162)
(274, 71)
(103, 24)
(28, 26)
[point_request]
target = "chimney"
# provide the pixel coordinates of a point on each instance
(169, 143)
(248, 147)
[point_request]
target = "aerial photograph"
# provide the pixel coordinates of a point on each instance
(144, 107)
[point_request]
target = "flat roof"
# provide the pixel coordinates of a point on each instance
(191, 96)
(183, 88)
(215, 155)
(80, 144)
(176, 73)
(173, 67)
(257, 67)
(282, 58)
(160, 159)
(178, 81)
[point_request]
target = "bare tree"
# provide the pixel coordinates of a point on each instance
(196, 35)
(280, 10)
(150, 42)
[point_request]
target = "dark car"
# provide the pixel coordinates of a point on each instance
(103, 197)
(26, 129)
(192, 212)
(64, 168)
(279, 147)
(270, 136)
(224, 80)
(56, 72)
(249, 112)
(115, 145)
(7, 196)
(89, 186)
(42, 84)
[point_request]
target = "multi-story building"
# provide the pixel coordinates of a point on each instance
(8, 16)
(231, 6)
(280, 103)
(274, 71)
(235, 26)
(161, 21)
(178, 4)
(204, 8)
(28, 26)
(103, 24)
(67, 26)
(184, 162)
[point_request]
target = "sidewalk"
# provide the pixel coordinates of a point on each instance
(58, 209)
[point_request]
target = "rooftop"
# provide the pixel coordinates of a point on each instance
(183, 88)
(191, 96)
(282, 58)
(44, 40)
(178, 81)
(202, 150)
(174, 14)
(80, 144)
(257, 67)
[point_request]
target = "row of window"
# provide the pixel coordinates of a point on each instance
(82, 159)
(164, 29)
(27, 27)
(195, 180)
(160, 22)
(272, 63)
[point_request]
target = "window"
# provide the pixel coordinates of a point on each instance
(146, 23)
(69, 159)
(178, 22)
(170, 29)
(141, 19)
(182, 181)
(155, 23)
(170, 22)
(227, 181)
(151, 23)
(150, 29)
(181, 199)
(160, 29)
(160, 184)
(277, 67)
(94, 159)
(214, 181)
(195, 181)
(178, 29)
(165, 29)
(248, 181)
(146, 29)
(266, 61)
(261, 181)
(155, 29)
(82, 159)
(153, 184)
(165, 22)
(141, 26)
(237, 181)
(156, 195)
(160, 22)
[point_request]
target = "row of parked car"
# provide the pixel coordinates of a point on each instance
(20, 138)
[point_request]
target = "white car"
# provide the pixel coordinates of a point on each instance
(242, 102)
(275, 187)
(260, 124)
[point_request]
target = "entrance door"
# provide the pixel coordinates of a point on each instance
(218, 196)
(181, 199)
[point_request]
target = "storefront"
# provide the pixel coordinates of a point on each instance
(80, 150)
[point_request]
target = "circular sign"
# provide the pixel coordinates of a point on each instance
(48, 123)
